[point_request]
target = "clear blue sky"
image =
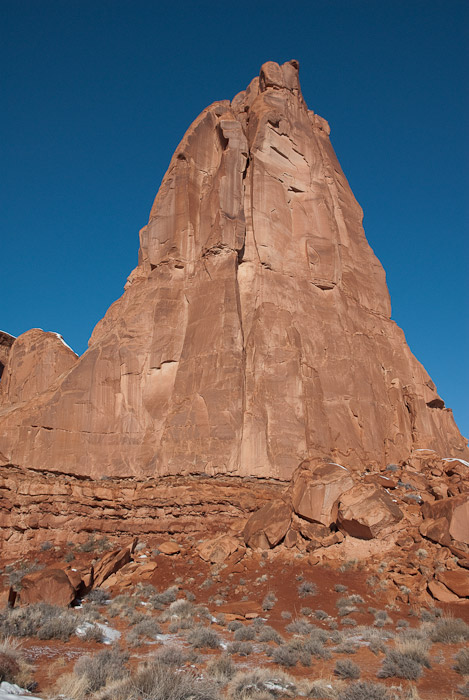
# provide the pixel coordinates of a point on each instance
(96, 94)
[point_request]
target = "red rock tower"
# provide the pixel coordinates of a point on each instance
(255, 331)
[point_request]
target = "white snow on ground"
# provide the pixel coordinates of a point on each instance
(110, 635)
(10, 691)
(6, 333)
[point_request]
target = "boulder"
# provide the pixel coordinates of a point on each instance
(316, 488)
(218, 550)
(48, 586)
(456, 580)
(455, 511)
(366, 510)
(436, 531)
(440, 592)
(268, 525)
(110, 564)
(170, 548)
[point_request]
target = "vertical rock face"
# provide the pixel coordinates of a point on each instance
(255, 331)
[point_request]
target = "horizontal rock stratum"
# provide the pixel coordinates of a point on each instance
(254, 333)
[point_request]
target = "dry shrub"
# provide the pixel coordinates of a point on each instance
(221, 669)
(462, 662)
(450, 630)
(363, 690)
(203, 638)
(345, 668)
(265, 683)
(69, 685)
(154, 681)
(245, 633)
(98, 670)
(399, 665)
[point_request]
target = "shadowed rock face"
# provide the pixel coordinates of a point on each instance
(255, 331)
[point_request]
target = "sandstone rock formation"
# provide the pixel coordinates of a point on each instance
(49, 586)
(254, 333)
(6, 341)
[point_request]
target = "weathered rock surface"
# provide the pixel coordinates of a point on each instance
(269, 525)
(315, 490)
(457, 581)
(366, 510)
(255, 331)
(36, 360)
(447, 519)
(49, 586)
(219, 549)
(6, 341)
(37, 505)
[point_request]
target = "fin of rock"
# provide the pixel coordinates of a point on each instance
(255, 331)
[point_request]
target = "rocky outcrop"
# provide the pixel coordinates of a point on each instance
(36, 360)
(255, 331)
(6, 341)
(49, 506)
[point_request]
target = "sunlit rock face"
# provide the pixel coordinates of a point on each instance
(255, 331)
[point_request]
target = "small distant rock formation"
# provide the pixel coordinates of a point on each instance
(255, 332)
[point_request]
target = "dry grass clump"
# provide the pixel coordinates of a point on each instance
(416, 649)
(155, 681)
(98, 596)
(13, 666)
(269, 601)
(159, 600)
(261, 683)
(222, 669)
(203, 638)
(147, 628)
(240, 648)
(245, 633)
(345, 668)
(105, 666)
(181, 609)
(399, 665)
(450, 630)
(307, 588)
(268, 634)
(462, 662)
(363, 690)
(322, 688)
(286, 655)
(39, 620)
(299, 626)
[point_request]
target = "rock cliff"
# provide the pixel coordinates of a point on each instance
(254, 333)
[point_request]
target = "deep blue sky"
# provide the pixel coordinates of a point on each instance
(96, 94)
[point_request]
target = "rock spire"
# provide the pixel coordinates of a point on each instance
(255, 331)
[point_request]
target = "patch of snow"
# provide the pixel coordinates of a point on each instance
(6, 333)
(455, 459)
(11, 691)
(110, 635)
(63, 341)
(142, 556)
(339, 465)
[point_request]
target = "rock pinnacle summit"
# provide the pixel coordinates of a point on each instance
(254, 333)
